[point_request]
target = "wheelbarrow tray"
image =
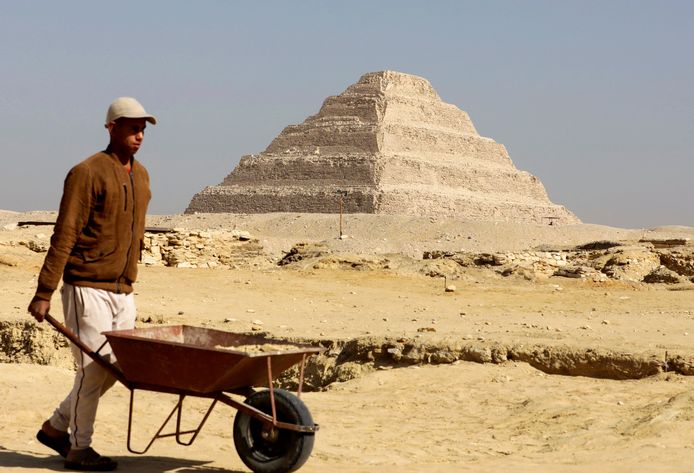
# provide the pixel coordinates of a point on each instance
(188, 359)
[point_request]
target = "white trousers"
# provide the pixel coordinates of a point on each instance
(88, 312)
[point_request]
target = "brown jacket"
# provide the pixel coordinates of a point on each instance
(98, 236)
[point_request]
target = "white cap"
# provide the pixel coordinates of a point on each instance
(127, 107)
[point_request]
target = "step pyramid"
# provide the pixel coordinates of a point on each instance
(386, 145)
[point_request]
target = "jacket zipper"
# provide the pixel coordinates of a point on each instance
(132, 232)
(125, 204)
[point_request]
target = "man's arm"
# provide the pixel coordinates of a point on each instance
(75, 207)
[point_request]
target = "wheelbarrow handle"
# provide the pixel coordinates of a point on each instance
(111, 368)
(68, 333)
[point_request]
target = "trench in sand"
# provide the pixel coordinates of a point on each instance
(28, 342)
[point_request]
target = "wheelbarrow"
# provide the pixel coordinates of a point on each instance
(273, 429)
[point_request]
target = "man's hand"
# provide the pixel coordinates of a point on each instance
(39, 308)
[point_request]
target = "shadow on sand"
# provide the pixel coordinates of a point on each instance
(36, 462)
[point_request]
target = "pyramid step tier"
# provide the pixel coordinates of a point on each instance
(402, 200)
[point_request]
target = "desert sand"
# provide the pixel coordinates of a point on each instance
(389, 409)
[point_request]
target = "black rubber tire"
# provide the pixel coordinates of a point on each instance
(288, 450)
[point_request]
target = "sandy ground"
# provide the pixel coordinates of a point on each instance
(445, 418)
(462, 417)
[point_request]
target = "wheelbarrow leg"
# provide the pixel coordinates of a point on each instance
(177, 409)
(194, 432)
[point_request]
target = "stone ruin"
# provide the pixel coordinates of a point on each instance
(181, 248)
(389, 145)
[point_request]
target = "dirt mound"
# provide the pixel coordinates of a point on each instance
(29, 342)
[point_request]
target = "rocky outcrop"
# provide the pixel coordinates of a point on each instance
(388, 144)
(597, 261)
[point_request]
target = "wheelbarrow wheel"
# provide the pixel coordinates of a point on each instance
(265, 449)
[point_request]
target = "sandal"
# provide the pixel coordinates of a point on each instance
(60, 444)
(89, 460)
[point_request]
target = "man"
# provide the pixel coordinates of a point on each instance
(95, 247)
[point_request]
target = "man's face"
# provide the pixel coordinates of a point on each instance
(127, 134)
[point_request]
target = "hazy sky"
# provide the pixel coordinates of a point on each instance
(596, 98)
